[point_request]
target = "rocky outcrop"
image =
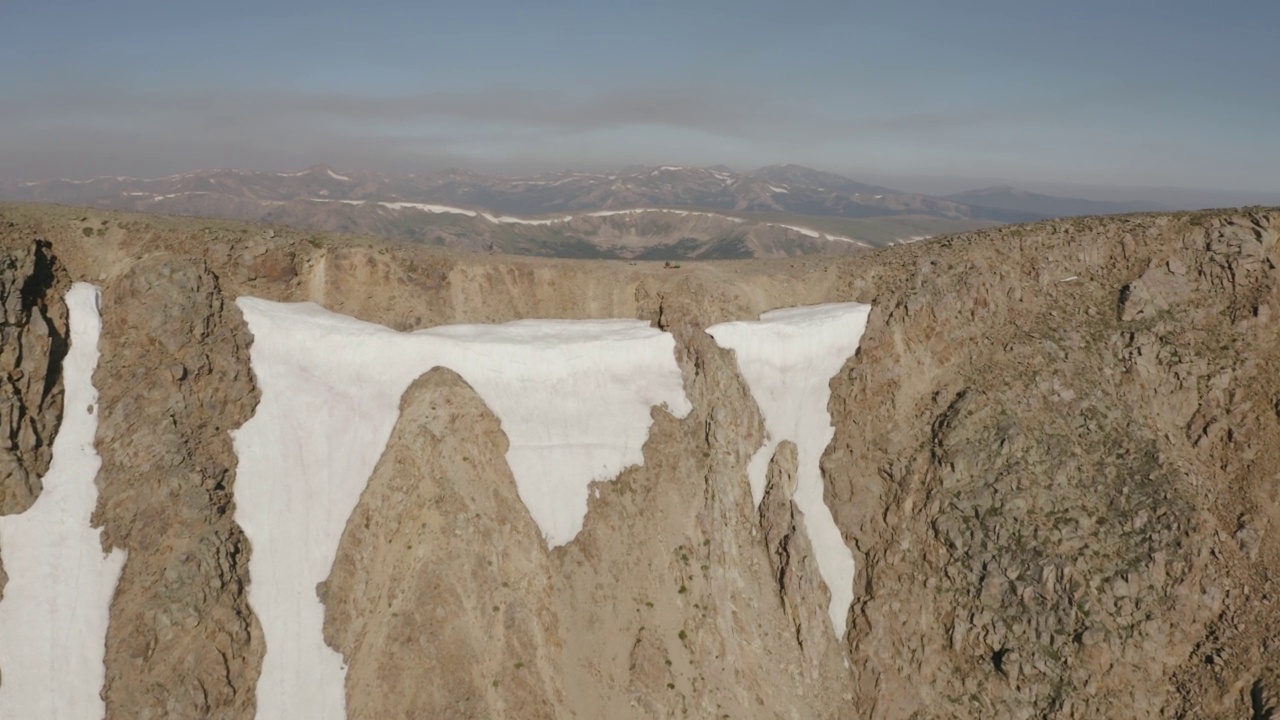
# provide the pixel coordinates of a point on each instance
(33, 342)
(440, 596)
(668, 604)
(1064, 524)
(800, 588)
(173, 380)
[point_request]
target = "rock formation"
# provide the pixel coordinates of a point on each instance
(33, 342)
(173, 380)
(1055, 463)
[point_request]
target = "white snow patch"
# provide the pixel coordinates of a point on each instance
(511, 219)
(610, 213)
(336, 176)
(820, 235)
(507, 219)
(497, 219)
(573, 397)
(631, 211)
(803, 231)
(56, 605)
(774, 188)
(788, 358)
(425, 207)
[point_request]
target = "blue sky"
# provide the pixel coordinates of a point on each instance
(1124, 92)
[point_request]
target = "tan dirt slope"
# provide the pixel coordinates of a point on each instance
(1057, 461)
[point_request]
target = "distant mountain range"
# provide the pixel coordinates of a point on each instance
(1020, 201)
(660, 212)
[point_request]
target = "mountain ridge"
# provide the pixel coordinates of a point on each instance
(1053, 459)
(576, 214)
(773, 211)
(1008, 198)
(791, 190)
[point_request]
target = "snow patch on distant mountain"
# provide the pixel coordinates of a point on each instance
(509, 219)
(631, 211)
(802, 231)
(424, 207)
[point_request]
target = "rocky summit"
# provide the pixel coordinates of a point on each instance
(1054, 460)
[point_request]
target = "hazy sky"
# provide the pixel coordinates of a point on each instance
(1123, 92)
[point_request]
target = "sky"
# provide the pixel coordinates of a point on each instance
(1173, 93)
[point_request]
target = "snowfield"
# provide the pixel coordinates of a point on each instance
(573, 396)
(788, 358)
(56, 604)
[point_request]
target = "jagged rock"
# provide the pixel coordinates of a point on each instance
(442, 574)
(804, 596)
(33, 342)
(173, 379)
(1159, 288)
(1264, 701)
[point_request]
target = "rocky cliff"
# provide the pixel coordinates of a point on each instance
(1055, 463)
(33, 343)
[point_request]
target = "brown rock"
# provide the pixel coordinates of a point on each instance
(182, 642)
(33, 342)
(441, 596)
(804, 595)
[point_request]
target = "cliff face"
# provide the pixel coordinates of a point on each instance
(173, 380)
(33, 343)
(1054, 463)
